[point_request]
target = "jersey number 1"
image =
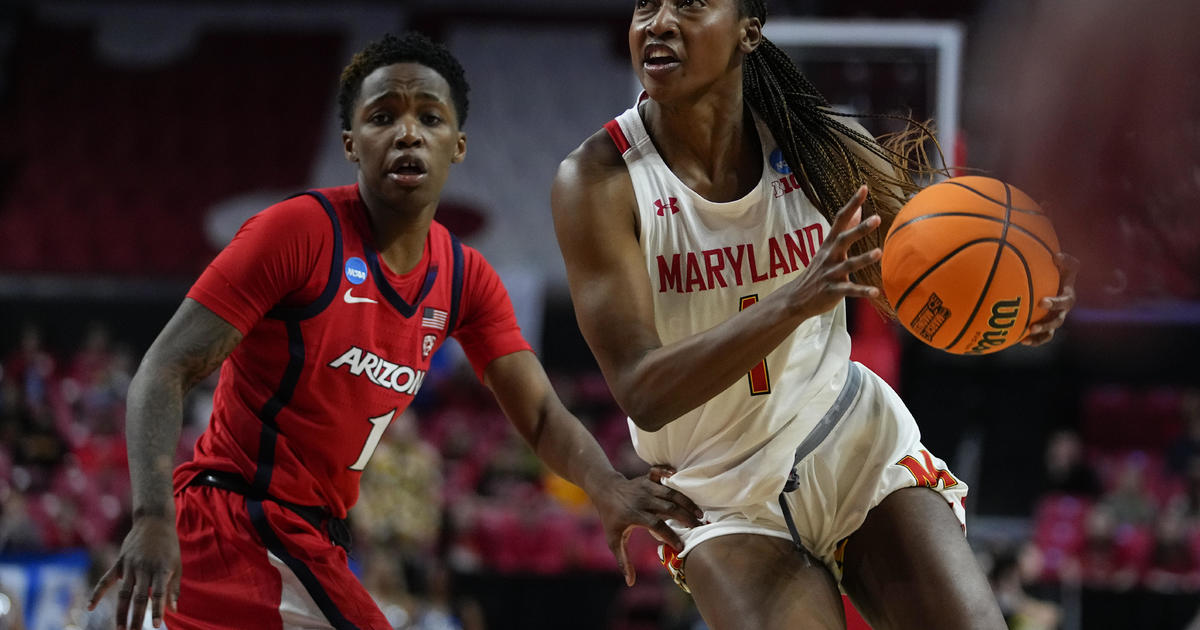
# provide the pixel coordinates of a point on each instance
(379, 424)
(760, 381)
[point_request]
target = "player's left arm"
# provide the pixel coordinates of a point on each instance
(557, 437)
(1042, 330)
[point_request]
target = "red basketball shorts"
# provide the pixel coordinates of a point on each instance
(252, 564)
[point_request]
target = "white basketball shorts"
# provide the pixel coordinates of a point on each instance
(865, 447)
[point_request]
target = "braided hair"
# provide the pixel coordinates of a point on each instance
(816, 144)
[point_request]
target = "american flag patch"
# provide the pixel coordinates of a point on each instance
(433, 318)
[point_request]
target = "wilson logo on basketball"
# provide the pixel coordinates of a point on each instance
(1004, 315)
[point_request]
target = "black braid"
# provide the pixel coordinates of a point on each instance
(814, 143)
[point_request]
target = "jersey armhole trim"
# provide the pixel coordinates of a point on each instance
(456, 283)
(335, 267)
(618, 135)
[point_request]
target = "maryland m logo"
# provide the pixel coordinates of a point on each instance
(927, 475)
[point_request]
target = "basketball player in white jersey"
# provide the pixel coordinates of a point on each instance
(708, 261)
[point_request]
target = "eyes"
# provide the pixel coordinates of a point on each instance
(653, 4)
(385, 118)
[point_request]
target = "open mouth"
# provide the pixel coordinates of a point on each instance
(407, 169)
(657, 57)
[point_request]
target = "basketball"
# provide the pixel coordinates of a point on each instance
(966, 262)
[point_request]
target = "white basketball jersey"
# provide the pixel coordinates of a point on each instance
(707, 261)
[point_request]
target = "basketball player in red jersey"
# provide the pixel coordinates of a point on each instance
(323, 314)
(709, 248)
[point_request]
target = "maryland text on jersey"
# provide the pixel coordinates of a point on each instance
(399, 378)
(713, 268)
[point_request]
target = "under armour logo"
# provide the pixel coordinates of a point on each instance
(662, 206)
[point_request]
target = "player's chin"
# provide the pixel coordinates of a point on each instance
(659, 89)
(400, 200)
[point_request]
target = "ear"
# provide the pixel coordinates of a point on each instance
(751, 35)
(348, 147)
(460, 151)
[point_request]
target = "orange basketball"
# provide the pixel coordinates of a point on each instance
(966, 262)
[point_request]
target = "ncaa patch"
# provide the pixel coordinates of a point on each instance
(779, 164)
(356, 270)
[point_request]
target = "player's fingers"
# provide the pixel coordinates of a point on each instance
(617, 546)
(158, 596)
(106, 581)
(850, 289)
(854, 263)
(1050, 322)
(665, 507)
(174, 591)
(141, 597)
(682, 505)
(1037, 339)
(1068, 268)
(664, 534)
(841, 244)
(659, 472)
(124, 595)
(1063, 303)
(850, 214)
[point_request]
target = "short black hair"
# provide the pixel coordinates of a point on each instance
(410, 47)
(753, 8)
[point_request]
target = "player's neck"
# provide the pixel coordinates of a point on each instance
(399, 235)
(402, 249)
(709, 142)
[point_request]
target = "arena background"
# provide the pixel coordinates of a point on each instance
(138, 137)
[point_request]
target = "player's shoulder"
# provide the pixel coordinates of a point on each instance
(305, 211)
(439, 233)
(595, 160)
(301, 208)
(592, 178)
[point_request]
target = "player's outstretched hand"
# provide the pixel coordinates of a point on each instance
(1043, 330)
(827, 279)
(627, 504)
(148, 569)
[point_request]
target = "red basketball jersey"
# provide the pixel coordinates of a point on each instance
(306, 396)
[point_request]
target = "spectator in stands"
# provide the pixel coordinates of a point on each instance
(1191, 492)
(1103, 563)
(1012, 570)
(1128, 502)
(1067, 471)
(18, 531)
(399, 515)
(1186, 448)
(32, 369)
(91, 360)
(1173, 566)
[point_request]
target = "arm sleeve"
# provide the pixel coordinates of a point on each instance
(487, 328)
(272, 260)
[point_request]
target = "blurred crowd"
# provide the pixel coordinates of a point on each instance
(1116, 529)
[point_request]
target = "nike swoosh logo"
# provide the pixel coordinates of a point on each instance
(350, 299)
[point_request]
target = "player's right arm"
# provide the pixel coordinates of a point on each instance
(194, 342)
(595, 218)
(273, 255)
